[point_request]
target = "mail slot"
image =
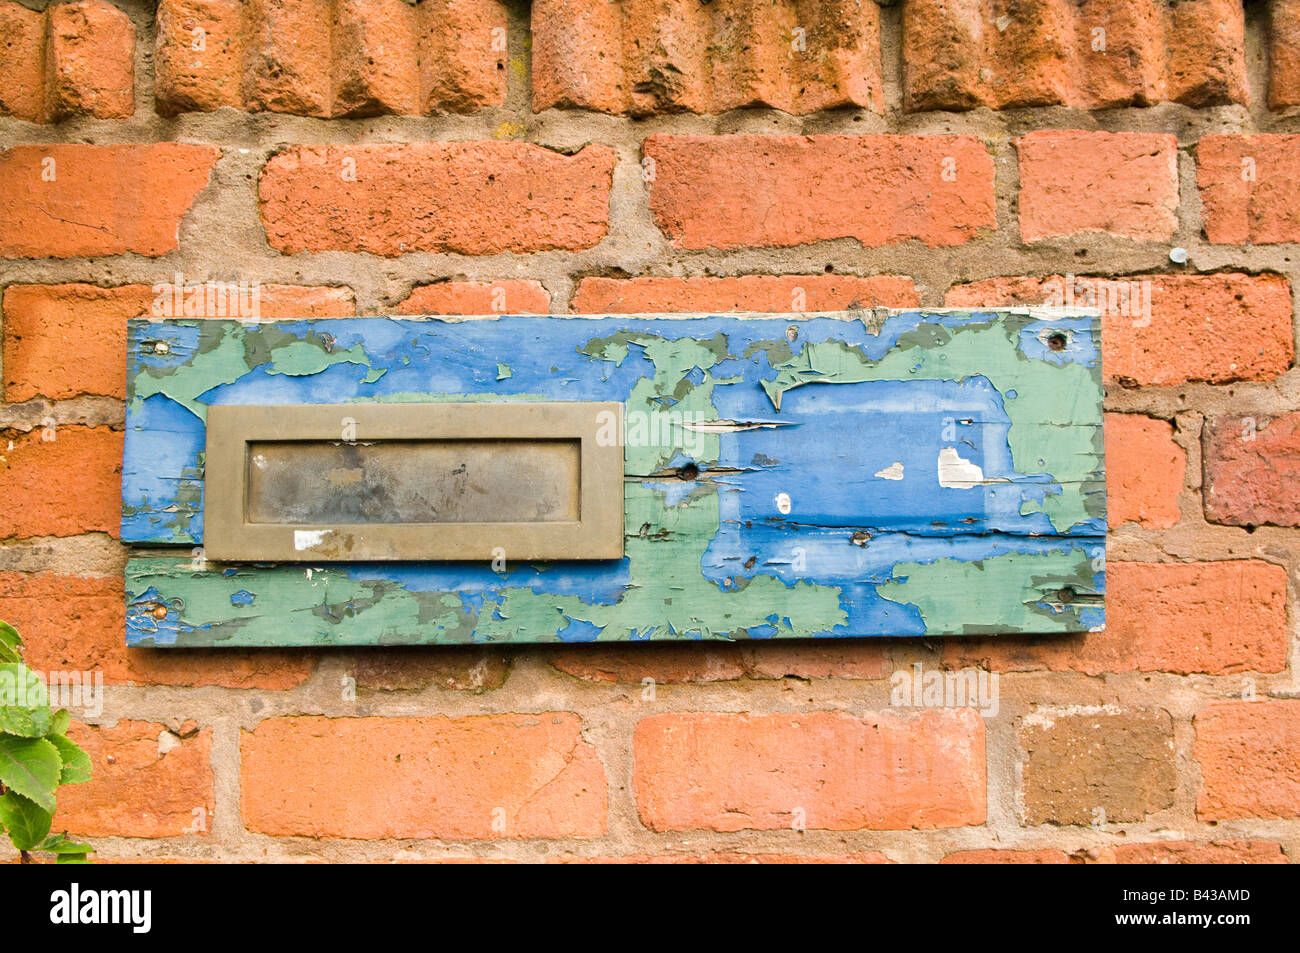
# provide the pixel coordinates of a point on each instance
(448, 481)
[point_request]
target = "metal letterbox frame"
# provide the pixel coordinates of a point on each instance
(596, 534)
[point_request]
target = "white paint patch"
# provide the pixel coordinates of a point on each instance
(892, 472)
(958, 473)
(309, 538)
(783, 504)
(166, 742)
(1046, 715)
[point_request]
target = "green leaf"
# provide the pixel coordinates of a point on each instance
(60, 844)
(31, 767)
(27, 822)
(71, 859)
(9, 643)
(76, 763)
(60, 723)
(24, 702)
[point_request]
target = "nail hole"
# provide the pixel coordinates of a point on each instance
(688, 472)
(1056, 341)
(1065, 595)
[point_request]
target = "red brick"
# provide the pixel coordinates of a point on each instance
(90, 61)
(991, 856)
(416, 667)
(1144, 471)
(1189, 852)
(72, 59)
(69, 485)
(1215, 618)
(331, 58)
(864, 857)
(75, 623)
(512, 296)
(146, 781)
(1252, 470)
(22, 59)
(1247, 185)
(1249, 753)
(1078, 764)
(669, 663)
(887, 770)
(103, 200)
(1074, 182)
(780, 191)
(453, 778)
(475, 198)
(62, 341)
(972, 53)
(1216, 328)
(745, 293)
(1283, 35)
(684, 56)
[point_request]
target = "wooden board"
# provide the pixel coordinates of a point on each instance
(850, 474)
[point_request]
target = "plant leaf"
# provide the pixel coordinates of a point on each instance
(76, 763)
(60, 723)
(27, 822)
(31, 767)
(9, 643)
(24, 702)
(60, 844)
(71, 859)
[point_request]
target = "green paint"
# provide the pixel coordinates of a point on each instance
(1007, 593)
(667, 596)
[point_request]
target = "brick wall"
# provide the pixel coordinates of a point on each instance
(573, 156)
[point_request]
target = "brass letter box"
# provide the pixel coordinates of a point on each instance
(440, 481)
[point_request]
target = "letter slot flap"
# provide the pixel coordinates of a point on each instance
(441, 481)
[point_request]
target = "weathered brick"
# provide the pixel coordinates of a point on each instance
(1214, 618)
(1120, 183)
(1190, 852)
(744, 293)
(670, 663)
(664, 56)
(331, 58)
(475, 198)
(963, 54)
(62, 341)
(1216, 328)
(1144, 471)
(72, 201)
(1252, 470)
(864, 857)
(780, 191)
(1110, 765)
(1283, 36)
(992, 856)
(146, 781)
(512, 296)
(1247, 186)
(822, 770)
(414, 667)
(490, 776)
(71, 59)
(1249, 753)
(75, 624)
(64, 486)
